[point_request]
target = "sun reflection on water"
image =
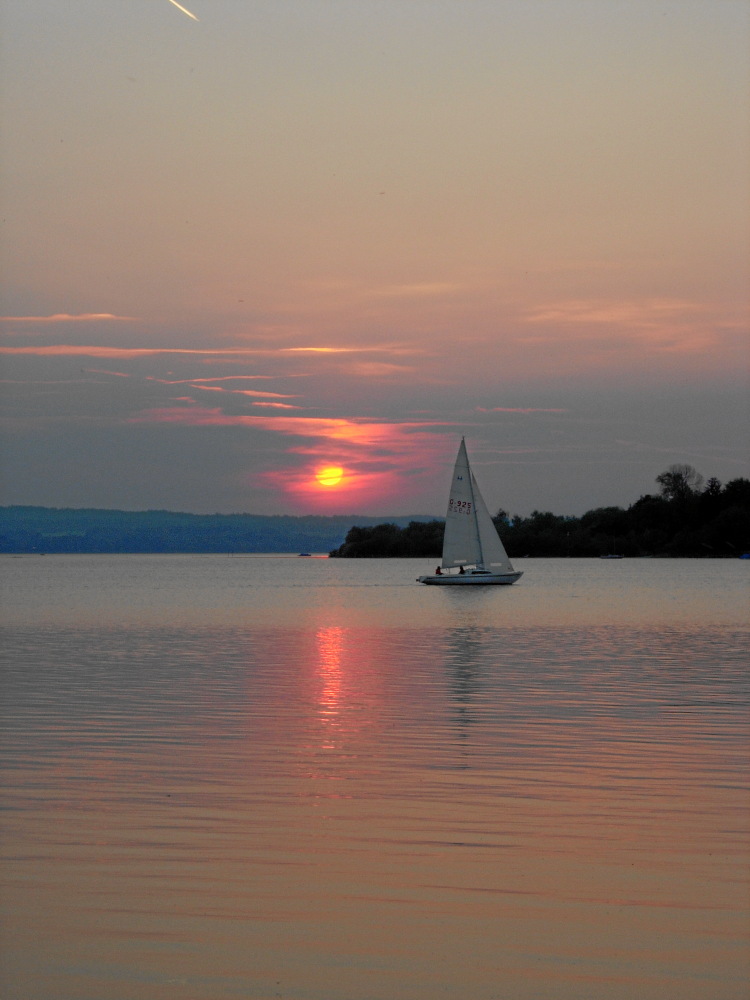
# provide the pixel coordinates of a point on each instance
(330, 645)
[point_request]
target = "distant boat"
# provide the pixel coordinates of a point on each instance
(612, 555)
(304, 554)
(471, 541)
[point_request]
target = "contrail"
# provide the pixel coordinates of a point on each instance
(183, 9)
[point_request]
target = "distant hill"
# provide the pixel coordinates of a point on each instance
(55, 530)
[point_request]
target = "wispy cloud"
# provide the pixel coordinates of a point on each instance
(323, 350)
(607, 330)
(518, 409)
(215, 378)
(239, 392)
(365, 431)
(205, 354)
(102, 351)
(70, 318)
(360, 432)
(362, 349)
(634, 313)
(280, 406)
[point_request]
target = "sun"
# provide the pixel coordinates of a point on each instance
(331, 475)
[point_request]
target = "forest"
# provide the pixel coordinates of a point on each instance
(686, 517)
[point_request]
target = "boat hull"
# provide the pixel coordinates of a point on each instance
(470, 579)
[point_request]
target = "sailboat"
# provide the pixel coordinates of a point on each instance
(471, 541)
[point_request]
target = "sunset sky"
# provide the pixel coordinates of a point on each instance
(294, 236)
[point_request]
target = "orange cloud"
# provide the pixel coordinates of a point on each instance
(280, 406)
(323, 350)
(239, 392)
(367, 349)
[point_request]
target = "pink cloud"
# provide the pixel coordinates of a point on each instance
(381, 459)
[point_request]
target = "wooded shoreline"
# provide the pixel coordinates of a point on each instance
(685, 519)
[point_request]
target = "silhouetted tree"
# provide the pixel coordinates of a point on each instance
(679, 482)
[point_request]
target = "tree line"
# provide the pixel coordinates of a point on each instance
(686, 517)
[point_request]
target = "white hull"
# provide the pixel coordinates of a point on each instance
(470, 579)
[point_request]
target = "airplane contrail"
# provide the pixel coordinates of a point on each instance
(183, 9)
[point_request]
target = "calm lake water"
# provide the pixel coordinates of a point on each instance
(263, 777)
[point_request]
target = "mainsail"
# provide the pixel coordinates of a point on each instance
(470, 536)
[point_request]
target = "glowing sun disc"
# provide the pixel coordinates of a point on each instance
(330, 476)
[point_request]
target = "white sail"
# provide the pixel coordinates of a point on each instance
(470, 536)
(494, 556)
(461, 541)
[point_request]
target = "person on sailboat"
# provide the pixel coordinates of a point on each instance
(438, 571)
(461, 571)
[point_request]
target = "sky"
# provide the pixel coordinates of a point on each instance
(249, 245)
